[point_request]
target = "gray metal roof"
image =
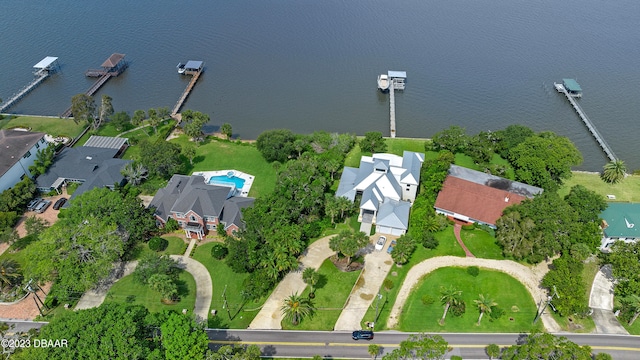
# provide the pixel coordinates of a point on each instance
(397, 74)
(14, 144)
(106, 142)
(46, 62)
(394, 214)
(571, 85)
(232, 210)
(193, 65)
(412, 161)
(346, 187)
(493, 181)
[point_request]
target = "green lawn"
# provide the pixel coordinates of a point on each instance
(481, 244)
(448, 246)
(217, 154)
(394, 146)
(126, 290)
(50, 125)
(332, 291)
(176, 246)
(465, 161)
(627, 190)
(510, 294)
(224, 278)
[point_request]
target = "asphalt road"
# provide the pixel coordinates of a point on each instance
(279, 343)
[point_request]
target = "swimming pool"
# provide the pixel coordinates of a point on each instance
(227, 180)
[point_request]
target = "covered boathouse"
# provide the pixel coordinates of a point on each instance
(572, 87)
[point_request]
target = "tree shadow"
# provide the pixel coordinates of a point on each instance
(217, 322)
(322, 281)
(269, 351)
(183, 289)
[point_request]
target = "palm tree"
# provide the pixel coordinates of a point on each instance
(296, 307)
(135, 174)
(449, 296)
(311, 276)
(633, 301)
(614, 171)
(484, 305)
(9, 272)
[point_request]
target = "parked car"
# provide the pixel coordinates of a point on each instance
(33, 203)
(58, 204)
(362, 335)
(390, 249)
(380, 243)
(42, 206)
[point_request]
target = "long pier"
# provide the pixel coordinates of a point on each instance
(585, 119)
(44, 68)
(112, 67)
(392, 111)
(186, 92)
(392, 81)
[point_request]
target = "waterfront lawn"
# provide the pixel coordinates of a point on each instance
(394, 146)
(481, 244)
(216, 154)
(510, 294)
(242, 312)
(448, 246)
(176, 246)
(49, 125)
(128, 291)
(332, 292)
(627, 190)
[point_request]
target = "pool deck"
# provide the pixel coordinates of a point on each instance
(248, 179)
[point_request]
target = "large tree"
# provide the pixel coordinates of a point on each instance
(135, 173)
(120, 120)
(296, 307)
(373, 142)
(625, 265)
(83, 108)
(565, 279)
(614, 171)
(161, 158)
(544, 160)
(44, 159)
(311, 277)
(453, 139)
(510, 137)
(193, 122)
(588, 204)
(106, 110)
(546, 346)
(152, 263)
(403, 249)
(183, 337)
(277, 145)
(422, 346)
(348, 242)
(226, 130)
(9, 272)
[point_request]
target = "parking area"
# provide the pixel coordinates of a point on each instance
(50, 215)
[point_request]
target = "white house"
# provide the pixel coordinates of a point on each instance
(387, 185)
(18, 152)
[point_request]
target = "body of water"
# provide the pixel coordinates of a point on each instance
(308, 65)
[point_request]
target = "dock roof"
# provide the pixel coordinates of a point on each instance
(113, 60)
(571, 85)
(46, 62)
(397, 74)
(193, 65)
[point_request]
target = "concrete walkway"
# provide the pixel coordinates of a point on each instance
(601, 302)
(529, 277)
(377, 265)
(457, 228)
(204, 285)
(95, 297)
(270, 316)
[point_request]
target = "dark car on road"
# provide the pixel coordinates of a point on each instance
(362, 335)
(58, 204)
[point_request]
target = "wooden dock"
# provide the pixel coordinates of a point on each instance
(43, 69)
(186, 92)
(585, 119)
(392, 111)
(396, 81)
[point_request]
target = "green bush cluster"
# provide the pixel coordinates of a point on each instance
(158, 244)
(473, 271)
(427, 299)
(388, 284)
(219, 251)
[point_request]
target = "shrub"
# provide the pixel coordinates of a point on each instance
(429, 241)
(468, 227)
(459, 309)
(388, 284)
(473, 271)
(171, 225)
(496, 313)
(219, 251)
(456, 357)
(158, 244)
(427, 299)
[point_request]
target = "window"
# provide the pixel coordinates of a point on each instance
(42, 140)
(37, 146)
(22, 177)
(192, 218)
(27, 155)
(211, 227)
(181, 223)
(179, 215)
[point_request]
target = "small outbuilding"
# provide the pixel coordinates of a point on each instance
(619, 222)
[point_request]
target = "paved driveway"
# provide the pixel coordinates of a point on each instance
(601, 302)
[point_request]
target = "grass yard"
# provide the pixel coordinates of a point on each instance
(127, 291)
(332, 291)
(223, 277)
(481, 244)
(627, 190)
(448, 246)
(394, 146)
(50, 125)
(507, 292)
(216, 154)
(176, 246)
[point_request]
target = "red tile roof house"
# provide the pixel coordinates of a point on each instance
(199, 207)
(475, 197)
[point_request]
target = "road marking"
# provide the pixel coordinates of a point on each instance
(470, 346)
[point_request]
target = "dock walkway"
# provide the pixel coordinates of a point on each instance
(185, 93)
(24, 91)
(585, 119)
(392, 111)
